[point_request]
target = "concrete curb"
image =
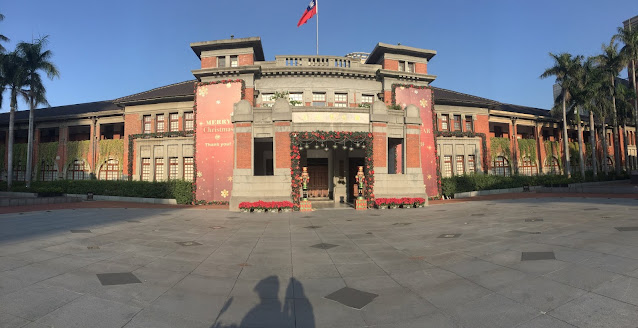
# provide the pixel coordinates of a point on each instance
(27, 201)
(128, 199)
(469, 194)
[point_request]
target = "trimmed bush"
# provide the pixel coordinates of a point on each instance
(181, 191)
(476, 182)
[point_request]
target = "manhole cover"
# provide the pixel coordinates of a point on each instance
(627, 228)
(535, 256)
(351, 297)
(120, 278)
(324, 246)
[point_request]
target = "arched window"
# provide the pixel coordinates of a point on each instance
(501, 166)
(19, 171)
(110, 170)
(48, 171)
(528, 167)
(552, 165)
(77, 170)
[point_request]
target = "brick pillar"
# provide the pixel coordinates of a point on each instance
(282, 145)
(380, 147)
(412, 147)
(243, 145)
(249, 94)
(63, 137)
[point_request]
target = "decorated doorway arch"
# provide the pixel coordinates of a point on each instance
(303, 140)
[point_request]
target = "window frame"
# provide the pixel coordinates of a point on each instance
(159, 121)
(173, 168)
(445, 122)
(296, 96)
(147, 123)
(457, 123)
(471, 164)
(145, 172)
(188, 169)
(447, 166)
(234, 61)
(221, 61)
(469, 124)
(110, 170)
(158, 174)
(342, 103)
(173, 122)
(189, 121)
(459, 160)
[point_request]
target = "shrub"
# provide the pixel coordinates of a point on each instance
(181, 191)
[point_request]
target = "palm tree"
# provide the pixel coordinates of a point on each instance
(593, 100)
(579, 99)
(565, 70)
(2, 37)
(36, 59)
(611, 63)
(629, 53)
(624, 97)
(13, 79)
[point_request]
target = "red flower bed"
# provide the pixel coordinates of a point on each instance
(384, 202)
(265, 205)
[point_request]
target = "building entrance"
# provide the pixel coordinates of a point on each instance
(319, 186)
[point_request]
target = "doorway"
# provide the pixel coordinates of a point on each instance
(319, 185)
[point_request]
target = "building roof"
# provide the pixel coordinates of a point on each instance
(77, 110)
(183, 91)
(251, 42)
(178, 91)
(382, 48)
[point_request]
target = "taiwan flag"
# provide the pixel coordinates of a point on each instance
(310, 11)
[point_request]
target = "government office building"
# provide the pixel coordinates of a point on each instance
(244, 127)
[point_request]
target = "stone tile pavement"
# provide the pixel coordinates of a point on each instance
(459, 264)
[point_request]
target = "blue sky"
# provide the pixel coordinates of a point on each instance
(493, 49)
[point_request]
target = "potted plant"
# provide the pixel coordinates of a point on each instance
(394, 203)
(286, 206)
(245, 207)
(381, 203)
(259, 206)
(406, 202)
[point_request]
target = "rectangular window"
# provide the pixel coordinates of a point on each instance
(341, 100)
(471, 164)
(221, 61)
(444, 122)
(146, 169)
(457, 122)
(159, 123)
(401, 66)
(147, 124)
(189, 121)
(367, 99)
(233, 61)
(319, 99)
(469, 124)
(460, 165)
(173, 119)
(173, 168)
(297, 98)
(395, 156)
(447, 166)
(410, 67)
(189, 169)
(609, 139)
(159, 169)
(264, 156)
(267, 100)
(498, 132)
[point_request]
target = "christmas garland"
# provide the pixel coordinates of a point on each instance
(197, 85)
(296, 140)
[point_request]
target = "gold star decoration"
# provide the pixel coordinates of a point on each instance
(199, 174)
(423, 103)
(202, 92)
(429, 176)
(429, 147)
(224, 193)
(230, 178)
(228, 85)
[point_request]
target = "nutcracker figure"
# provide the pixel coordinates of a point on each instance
(359, 178)
(305, 178)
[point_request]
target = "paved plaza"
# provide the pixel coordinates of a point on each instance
(552, 262)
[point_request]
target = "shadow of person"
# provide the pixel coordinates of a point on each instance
(269, 312)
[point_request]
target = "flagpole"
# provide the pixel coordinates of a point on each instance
(317, 14)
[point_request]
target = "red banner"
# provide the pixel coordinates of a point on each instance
(214, 145)
(422, 98)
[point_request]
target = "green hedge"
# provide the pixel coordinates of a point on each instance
(474, 182)
(180, 190)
